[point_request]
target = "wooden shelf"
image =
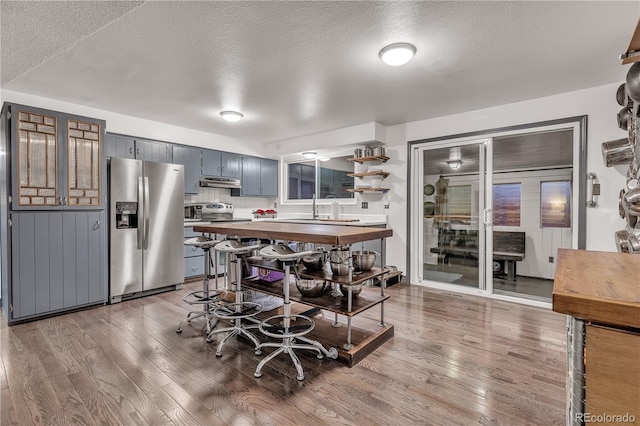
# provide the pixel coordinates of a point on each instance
(367, 189)
(367, 159)
(359, 175)
(368, 297)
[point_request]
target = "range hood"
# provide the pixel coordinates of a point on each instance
(219, 182)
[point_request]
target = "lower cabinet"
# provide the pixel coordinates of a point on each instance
(193, 256)
(58, 262)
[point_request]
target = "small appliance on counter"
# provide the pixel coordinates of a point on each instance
(193, 211)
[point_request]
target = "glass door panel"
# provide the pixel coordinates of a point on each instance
(84, 162)
(38, 160)
(453, 229)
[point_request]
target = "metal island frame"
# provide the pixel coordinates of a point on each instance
(362, 335)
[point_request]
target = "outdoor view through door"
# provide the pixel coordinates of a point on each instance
(514, 208)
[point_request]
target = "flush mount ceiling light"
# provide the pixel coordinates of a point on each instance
(454, 164)
(231, 116)
(310, 154)
(324, 158)
(397, 53)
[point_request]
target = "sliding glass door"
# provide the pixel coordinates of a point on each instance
(454, 221)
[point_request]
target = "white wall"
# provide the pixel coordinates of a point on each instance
(139, 127)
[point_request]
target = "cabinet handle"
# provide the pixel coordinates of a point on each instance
(64, 201)
(131, 150)
(96, 225)
(137, 151)
(194, 268)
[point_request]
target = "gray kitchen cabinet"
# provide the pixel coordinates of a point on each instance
(220, 163)
(58, 262)
(120, 146)
(189, 157)
(259, 178)
(193, 256)
(159, 152)
(57, 159)
(142, 149)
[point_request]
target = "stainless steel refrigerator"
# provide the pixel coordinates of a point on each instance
(146, 232)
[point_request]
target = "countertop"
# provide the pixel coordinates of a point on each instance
(343, 221)
(602, 287)
(307, 232)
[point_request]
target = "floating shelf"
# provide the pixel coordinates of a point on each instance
(367, 189)
(383, 174)
(366, 159)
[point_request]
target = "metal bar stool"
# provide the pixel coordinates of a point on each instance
(279, 326)
(240, 309)
(204, 297)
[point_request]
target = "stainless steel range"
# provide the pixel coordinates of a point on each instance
(217, 212)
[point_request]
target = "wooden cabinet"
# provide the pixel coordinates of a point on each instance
(142, 149)
(57, 160)
(58, 262)
(220, 163)
(120, 146)
(612, 367)
(159, 152)
(190, 158)
(193, 256)
(259, 178)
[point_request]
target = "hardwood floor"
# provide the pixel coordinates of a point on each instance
(453, 360)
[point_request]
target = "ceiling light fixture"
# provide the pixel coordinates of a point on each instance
(454, 164)
(324, 158)
(310, 154)
(397, 53)
(231, 116)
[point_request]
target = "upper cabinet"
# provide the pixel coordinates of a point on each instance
(219, 163)
(189, 157)
(57, 160)
(259, 178)
(159, 152)
(141, 149)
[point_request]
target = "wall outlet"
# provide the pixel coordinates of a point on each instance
(365, 205)
(551, 259)
(275, 205)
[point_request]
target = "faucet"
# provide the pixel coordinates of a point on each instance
(314, 209)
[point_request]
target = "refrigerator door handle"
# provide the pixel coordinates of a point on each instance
(146, 213)
(140, 213)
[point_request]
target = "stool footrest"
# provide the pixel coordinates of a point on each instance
(228, 311)
(278, 331)
(201, 297)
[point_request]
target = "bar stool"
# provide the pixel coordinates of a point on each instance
(240, 309)
(204, 297)
(279, 326)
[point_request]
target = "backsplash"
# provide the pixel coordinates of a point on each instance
(243, 206)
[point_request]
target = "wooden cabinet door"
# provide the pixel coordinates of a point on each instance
(58, 262)
(250, 176)
(231, 164)
(119, 146)
(59, 160)
(211, 162)
(158, 152)
(269, 178)
(35, 156)
(189, 157)
(83, 162)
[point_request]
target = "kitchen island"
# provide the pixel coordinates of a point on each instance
(362, 334)
(601, 293)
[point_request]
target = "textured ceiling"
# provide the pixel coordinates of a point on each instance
(297, 68)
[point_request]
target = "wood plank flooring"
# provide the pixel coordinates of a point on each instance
(454, 360)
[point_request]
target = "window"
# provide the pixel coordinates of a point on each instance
(459, 203)
(555, 204)
(506, 204)
(328, 179)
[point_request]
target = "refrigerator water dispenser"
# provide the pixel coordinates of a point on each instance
(126, 215)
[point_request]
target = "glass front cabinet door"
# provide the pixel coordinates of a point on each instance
(58, 160)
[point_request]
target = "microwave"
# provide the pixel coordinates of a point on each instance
(193, 211)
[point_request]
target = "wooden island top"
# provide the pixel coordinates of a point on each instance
(336, 235)
(598, 286)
